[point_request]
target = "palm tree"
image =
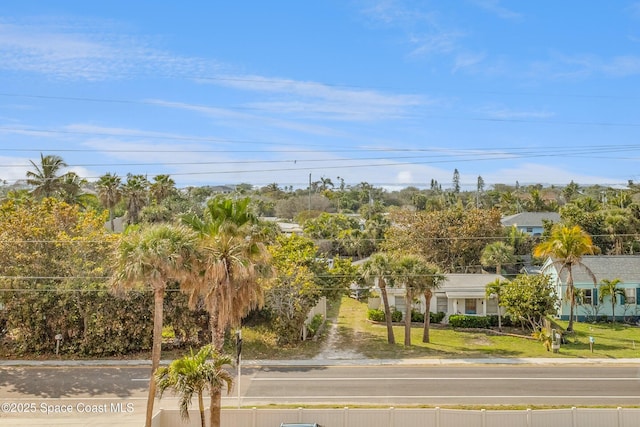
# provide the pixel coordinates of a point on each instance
(154, 257)
(495, 290)
(566, 246)
(193, 374)
(610, 288)
(162, 187)
(135, 191)
(45, 176)
(498, 254)
(235, 258)
(234, 261)
(381, 268)
(417, 275)
(109, 193)
(71, 187)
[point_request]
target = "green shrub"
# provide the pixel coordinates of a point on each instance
(396, 315)
(416, 316)
(375, 315)
(315, 324)
(464, 321)
(436, 317)
(493, 320)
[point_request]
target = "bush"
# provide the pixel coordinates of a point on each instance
(436, 317)
(463, 321)
(315, 324)
(493, 320)
(375, 315)
(416, 316)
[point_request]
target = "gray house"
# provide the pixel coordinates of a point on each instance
(530, 222)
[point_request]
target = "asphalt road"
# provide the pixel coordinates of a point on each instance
(125, 387)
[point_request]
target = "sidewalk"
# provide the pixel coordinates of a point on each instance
(345, 362)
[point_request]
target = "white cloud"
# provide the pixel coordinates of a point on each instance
(496, 8)
(87, 51)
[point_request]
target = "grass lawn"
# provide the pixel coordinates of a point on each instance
(356, 333)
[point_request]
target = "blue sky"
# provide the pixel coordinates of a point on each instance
(393, 93)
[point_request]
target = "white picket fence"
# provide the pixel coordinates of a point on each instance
(405, 417)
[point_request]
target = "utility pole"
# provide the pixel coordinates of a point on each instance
(309, 191)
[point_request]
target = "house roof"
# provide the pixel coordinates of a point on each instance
(529, 219)
(623, 267)
(467, 285)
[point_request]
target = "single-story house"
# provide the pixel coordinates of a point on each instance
(458, 294)
(626, 268)
(530, 222)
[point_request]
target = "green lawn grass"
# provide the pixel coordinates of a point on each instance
(356, 333)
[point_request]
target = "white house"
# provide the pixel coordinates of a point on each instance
(458, 294)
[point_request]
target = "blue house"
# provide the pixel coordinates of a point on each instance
(589, 306)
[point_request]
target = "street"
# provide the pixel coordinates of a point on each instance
(387, 385)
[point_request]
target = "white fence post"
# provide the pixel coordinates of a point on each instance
(574, 416)
(392, 420)
(619, 416)
(345, 417)
(437, 416)
(254, 416)
(483, 417)
(528, 417)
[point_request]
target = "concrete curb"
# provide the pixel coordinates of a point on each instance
(340, 362)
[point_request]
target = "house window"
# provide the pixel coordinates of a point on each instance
(589, 297)
(629, 296)
(469, 306)
(529, 229)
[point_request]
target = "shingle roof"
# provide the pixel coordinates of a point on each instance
(530, 219)
(623, 267)
(460, 282)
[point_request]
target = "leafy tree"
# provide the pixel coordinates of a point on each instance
(609, 288)
(154, 257)
(195, 374)
(109, 193)
(46, 178)
(382, 267)
(495, 290)
(453, 238)
(529, 298)
(498, 254)
(566, 246)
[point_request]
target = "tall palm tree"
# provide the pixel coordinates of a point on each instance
(610, 288)
(195, 374)
(380, 266)
(154, 257)
(494, 290)
(46, 176)
(135, 191)
(498, 254)
(566, 246)
(234, 261)
(71, 187)
(162, 187)
(418, 276)
(109, 193)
